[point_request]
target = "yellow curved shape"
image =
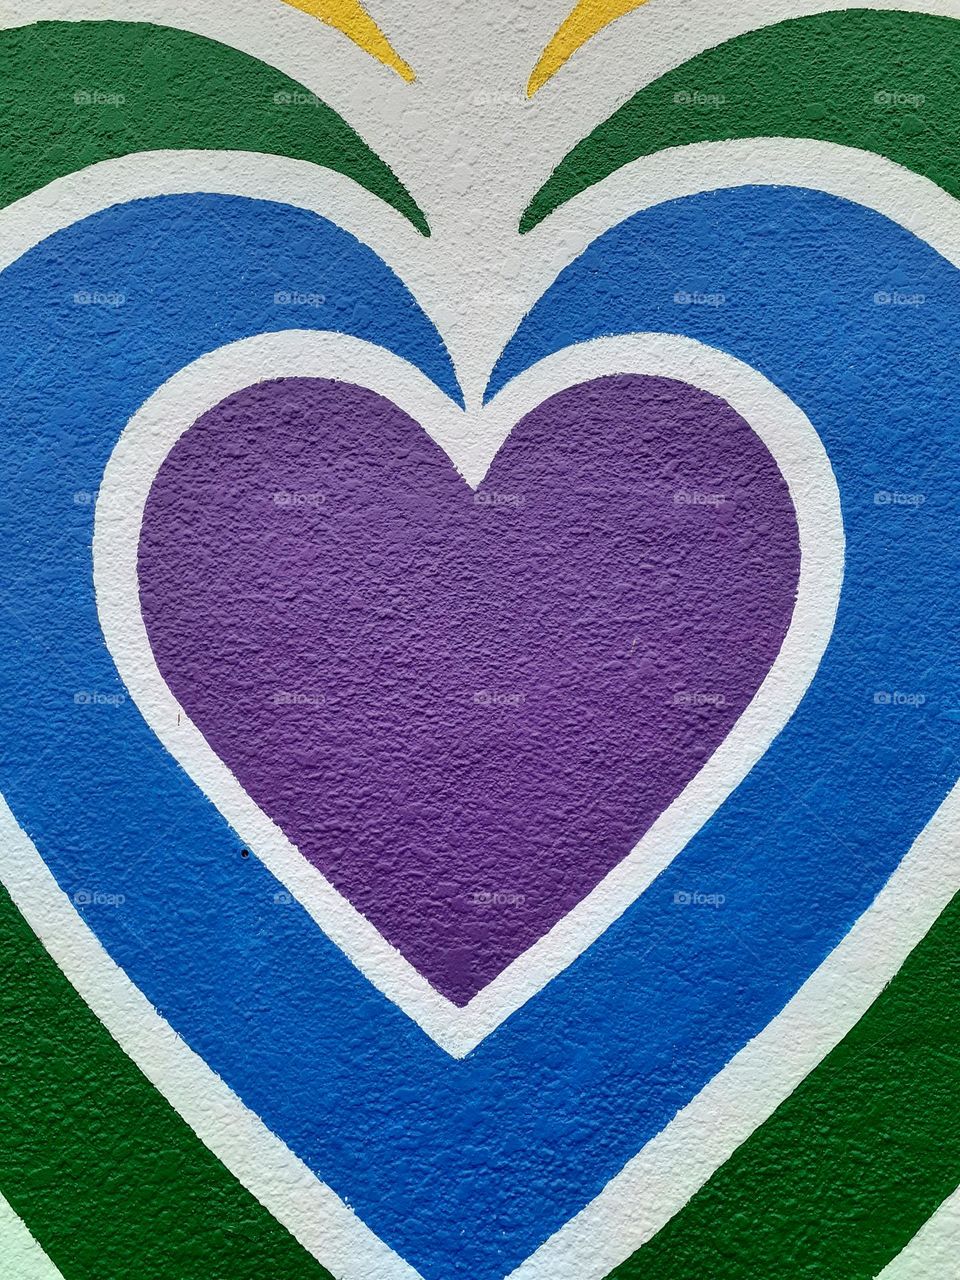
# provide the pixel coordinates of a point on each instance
(350, 17)
(582, 24)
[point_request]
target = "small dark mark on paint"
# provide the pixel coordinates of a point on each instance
(244, 853)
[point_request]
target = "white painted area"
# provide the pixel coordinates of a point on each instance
(21, 1258)
(934, 1252)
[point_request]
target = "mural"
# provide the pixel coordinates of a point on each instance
(480, 516)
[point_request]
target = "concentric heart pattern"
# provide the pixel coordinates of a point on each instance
(460, 710)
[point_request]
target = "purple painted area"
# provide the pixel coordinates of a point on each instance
(465, 709)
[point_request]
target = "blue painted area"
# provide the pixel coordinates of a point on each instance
(465, 1167)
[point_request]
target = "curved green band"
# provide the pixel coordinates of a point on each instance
(883, 81)
(74, 93)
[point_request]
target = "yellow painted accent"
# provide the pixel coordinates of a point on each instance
(350, 17)
(587, 18)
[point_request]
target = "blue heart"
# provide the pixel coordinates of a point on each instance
(465, 1167)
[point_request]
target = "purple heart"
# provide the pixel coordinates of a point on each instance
(465, 709)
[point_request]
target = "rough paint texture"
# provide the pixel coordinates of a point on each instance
(465, 708)
(820, 1189)
(837, 1181)
(886, 82)
(311, 566)
(108, 1176)
(73, 94)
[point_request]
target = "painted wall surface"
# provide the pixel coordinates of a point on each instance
(479, 646)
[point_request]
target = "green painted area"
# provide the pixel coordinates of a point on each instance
(883, 81)
(108, 1178)
(75, 93)
(847, 1170)
(113, 1184)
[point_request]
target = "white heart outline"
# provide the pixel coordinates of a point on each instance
(471, 439)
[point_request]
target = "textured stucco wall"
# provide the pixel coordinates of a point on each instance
(479, 502)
